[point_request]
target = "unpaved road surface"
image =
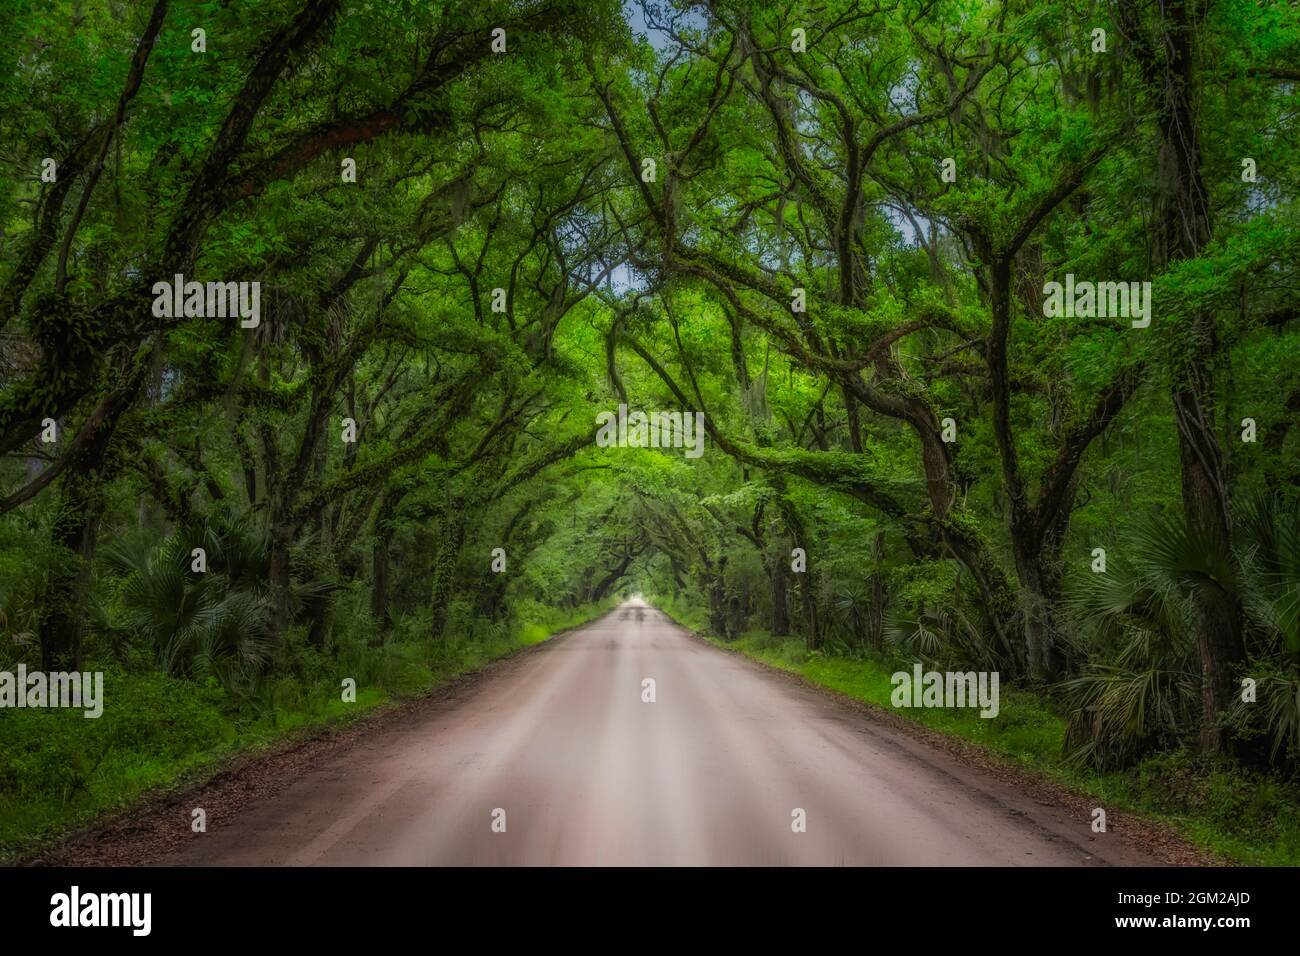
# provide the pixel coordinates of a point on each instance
(588, 773)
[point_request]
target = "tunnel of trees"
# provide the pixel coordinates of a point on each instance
(830, 228)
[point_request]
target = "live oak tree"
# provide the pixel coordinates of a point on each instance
(235, 170)
(828, 227)
(834, 150)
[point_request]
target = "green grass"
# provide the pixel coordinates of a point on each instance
(1249, 817)
(60, 771)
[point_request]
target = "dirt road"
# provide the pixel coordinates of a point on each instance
(586, 772)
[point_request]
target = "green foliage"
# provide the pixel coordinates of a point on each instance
(828, 429)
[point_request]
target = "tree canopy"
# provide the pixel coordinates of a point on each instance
(830, 228)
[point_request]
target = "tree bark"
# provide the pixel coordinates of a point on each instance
(281, 538)
(62, 625)
(379, 584)
(75, 530)
(780, 597)
(876, 609)
(1185, 227)
(450, 538)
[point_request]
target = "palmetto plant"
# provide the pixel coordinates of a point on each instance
(1274, 716)
(932, 632)
(915, 634)
(1268, 535)
(1269, 552)
(1142, 690)
(850, 605)
(197, 623)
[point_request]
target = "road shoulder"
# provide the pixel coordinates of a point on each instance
(160, 823)
(1138, 838)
